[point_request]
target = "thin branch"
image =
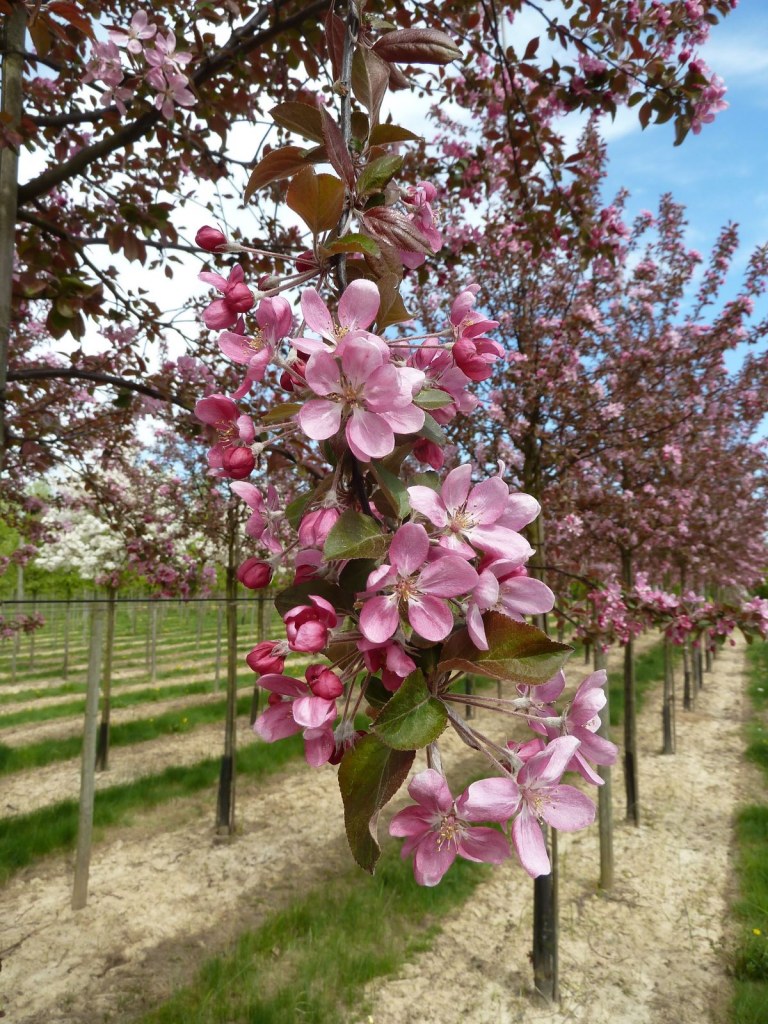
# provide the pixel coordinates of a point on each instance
(62, 373)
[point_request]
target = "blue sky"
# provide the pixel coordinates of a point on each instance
(721, 174)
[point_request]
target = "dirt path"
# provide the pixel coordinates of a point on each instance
(648, 953)
(164, 895)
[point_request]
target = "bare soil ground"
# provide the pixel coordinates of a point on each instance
(164, 894)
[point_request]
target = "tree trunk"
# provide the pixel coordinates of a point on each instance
(153, 642)
(88, 770)
(17, 633)
(225, 804)
(630, 709)
(605, 792)
(668, 707)
(67, 624)
(219, 618)
(545, 908)
(11, 97)
(102, 752)
(687, 688)
(545, 926)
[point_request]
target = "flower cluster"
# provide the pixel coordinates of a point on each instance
(398, 578)
(160, 66)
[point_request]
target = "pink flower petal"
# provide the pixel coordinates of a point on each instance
(430, 790)
(528, 841)
(322, 374)
(456, 487)
(567, 809)
(320, 418)
(432, 858)
(495, 799)
(448, 576)
(358, 305)
(409, 548)
(431, 617)
(316, 313)
(487, 500)
(379, 618)
(368, 435)
(429, 504)
(484, 845)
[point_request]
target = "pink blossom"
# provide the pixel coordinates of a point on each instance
(468, 519)
(371, 397)
(545, 799)
(422, 592)
(438, 829)
(274, 317)
(357, 309)
(307, 626)
(138, 31)
(295, 707)
(420, 197)
(390, 659)
(266, 515)
(228, 457)
(505, 586)
(237, 298)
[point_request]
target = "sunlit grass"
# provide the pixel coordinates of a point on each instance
(311, 962)
(749, 960)
(26, 837)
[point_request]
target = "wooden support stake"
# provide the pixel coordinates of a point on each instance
(605, 792)
(88, 770)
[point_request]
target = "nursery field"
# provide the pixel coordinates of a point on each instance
(167, 895)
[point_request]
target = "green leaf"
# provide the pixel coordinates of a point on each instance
(393, 488)
(518, 652)
(431, 430)
(384, 134)
(317, 198)
(378, 173)
(302, 118)
(429, 478)
(354, 576)
(376, 693)
(354, 535)
(432, 398)
(413, 717)
(353, 242)
(369, 776)
(280, 413)
(296, 509)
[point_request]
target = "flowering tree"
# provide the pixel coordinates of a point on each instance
(127, 128)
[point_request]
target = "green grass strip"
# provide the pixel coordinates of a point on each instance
(749, 959)
(26, 837)
(119, 700)
(310, 962)
(35, 755)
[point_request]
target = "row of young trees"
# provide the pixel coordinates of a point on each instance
(605, 383)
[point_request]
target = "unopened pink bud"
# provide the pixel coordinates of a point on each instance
(210, 239)
(264, 660)
(315, 526)
(238, 463)
(323, 682)
(254, 573)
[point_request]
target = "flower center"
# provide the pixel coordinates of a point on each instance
(451, 830)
